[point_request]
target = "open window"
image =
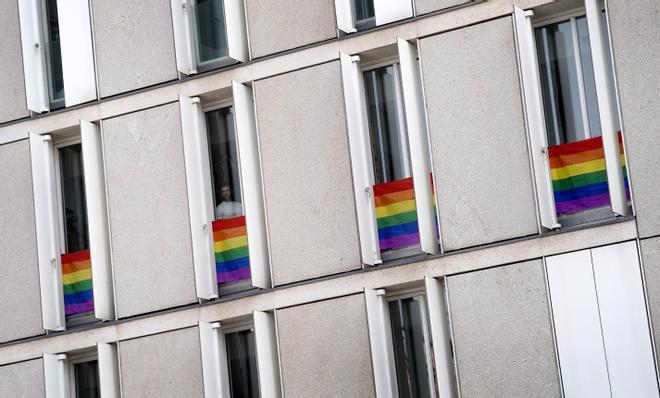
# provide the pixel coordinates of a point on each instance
(356, 15)
(72, 230)
(410, 343)
(390, 153)
(239, 357)
(572, 114)
(226, 199)
(87, 373)
(208, 34)
(58, 57)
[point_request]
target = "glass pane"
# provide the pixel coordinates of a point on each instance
(588, 77)
(409, 347)
(73, 199)
(364, 9)
(559, 82)
(224, 163)
(53, 53)
(211, 35)
(87, 379)
(242, 364)
(389, 145)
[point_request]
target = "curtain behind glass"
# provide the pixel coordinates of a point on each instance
(409, 347)
(211, 33)
(53, 53)
(388, 146)
(241, 355)
(87, 379)
(73, 199)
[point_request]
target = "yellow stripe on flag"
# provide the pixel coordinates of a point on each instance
(395, 208)
(228, 244)
(77, 276)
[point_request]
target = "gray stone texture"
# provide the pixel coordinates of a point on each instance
(23, 380)
(650, 249)
(163, 365)
(278, 25)
(478, 140)
(13, 104)
(134, 44)
(324, 349)
(148, 206)
(502, 332)
(426, 6)
(20, 302)
(307, 174)
(635, 31)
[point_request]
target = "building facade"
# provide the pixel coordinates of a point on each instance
(348, 198)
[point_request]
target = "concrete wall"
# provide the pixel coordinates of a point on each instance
(163, 365)
(23, 380)
(148, 206)
(650, 249)
(324, 349)
(502, 332)
(12, 84)
(278, 25)
(426, 6)
(478, 140)
(635, 31)
(134, 44)
(20, 304)
(307, 174)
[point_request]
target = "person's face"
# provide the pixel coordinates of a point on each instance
(225, 193)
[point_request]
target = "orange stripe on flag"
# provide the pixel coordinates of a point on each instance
(229, 233)
(394, 197)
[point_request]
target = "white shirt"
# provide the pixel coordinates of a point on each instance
(228, 210)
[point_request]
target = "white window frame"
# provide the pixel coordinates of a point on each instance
(385, 11)
(72, 360)
(215, 365)
(534, 111)
(78, 66)
(185, 36)
(200, 195)
(50, 223)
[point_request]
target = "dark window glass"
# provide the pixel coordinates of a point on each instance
(224, 163)
(241, 355)
(87, 379)
(364, 10)
(54, 55)
(211, 34)
(389, 145)
(73, 199)
(412, 374)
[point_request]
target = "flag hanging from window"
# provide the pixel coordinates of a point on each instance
(396, 214)
(77, 283)
(232, 259)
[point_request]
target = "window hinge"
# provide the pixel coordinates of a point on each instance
(215, 325)
(529, 13)
(380, 292)
(61, 357)
(355, 58)
(195, 100)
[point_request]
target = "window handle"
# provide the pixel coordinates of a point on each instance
(367, 190)
(205, 226)
(53, 262)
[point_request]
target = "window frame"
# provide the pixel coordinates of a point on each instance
(74, 359)
(385, 11)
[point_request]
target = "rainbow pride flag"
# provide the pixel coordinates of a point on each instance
(579, 178)
(77, 283)
(232, 260)
(396, 214)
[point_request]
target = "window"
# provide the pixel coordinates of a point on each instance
(413, 356)
(239, 357)
(390, 154)
(58, 56)
(83, 373)
(76, 259)
(242, 363)
(354, 15)
(225, 192)
(208, 34)
(410, 340)
(72, 226)
(54, 56)
(572, 115)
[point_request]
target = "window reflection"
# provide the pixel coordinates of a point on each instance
(54, 55)
(241, 355)
(87, 379)
(210, 27)
(76, 234)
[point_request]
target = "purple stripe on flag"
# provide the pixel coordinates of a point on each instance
(400, 241)
(577, 205)
(79, 308)
(234, 276)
